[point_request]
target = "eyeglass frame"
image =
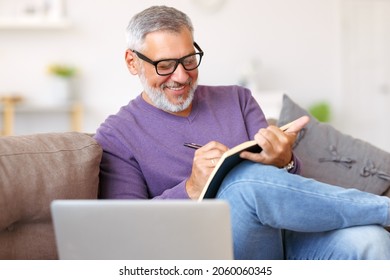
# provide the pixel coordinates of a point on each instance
(177, 60)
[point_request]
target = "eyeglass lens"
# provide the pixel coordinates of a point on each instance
(166, 67)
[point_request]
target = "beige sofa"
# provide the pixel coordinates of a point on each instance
(34, 170)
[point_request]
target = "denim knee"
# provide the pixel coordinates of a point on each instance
(353, 243)
(364, 243)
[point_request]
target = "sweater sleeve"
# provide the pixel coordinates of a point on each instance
(120, 175)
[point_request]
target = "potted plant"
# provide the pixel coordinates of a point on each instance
(61, 88)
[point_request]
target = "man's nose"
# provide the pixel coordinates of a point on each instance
(180, 74)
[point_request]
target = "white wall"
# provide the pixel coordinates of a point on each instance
(297, 43)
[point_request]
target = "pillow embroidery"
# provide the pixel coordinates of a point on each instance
(337, 158)
(370, 170)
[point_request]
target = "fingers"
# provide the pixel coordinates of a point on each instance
(297, 125)
(276, 147)
(272, 139)
(276, 143)
(255, 157)
(210, 154)
(277, 139)
(205, 159)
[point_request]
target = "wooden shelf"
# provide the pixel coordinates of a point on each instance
(8, 23)
(30, 108)
(11, 106)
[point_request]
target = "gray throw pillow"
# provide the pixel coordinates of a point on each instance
(332, 157)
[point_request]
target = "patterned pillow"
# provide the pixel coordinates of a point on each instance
(332, 157)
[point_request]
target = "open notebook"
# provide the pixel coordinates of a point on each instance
(142, 229)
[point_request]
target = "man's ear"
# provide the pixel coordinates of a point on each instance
(131, 62)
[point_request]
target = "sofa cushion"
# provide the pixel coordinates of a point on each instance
(34, 170)
(333, 157)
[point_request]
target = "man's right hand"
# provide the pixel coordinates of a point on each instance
(205, 159)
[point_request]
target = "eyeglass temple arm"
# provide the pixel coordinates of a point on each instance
(197, 47)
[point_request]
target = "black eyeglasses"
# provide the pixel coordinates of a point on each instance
(166, 67)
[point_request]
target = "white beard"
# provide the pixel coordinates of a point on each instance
(158, 98)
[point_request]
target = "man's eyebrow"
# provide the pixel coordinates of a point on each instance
(192, 52)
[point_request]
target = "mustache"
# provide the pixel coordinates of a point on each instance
(176, 84)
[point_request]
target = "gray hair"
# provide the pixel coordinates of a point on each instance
(155, 18)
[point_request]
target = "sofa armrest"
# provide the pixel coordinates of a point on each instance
(34, 170)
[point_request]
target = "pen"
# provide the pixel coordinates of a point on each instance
(192, 145)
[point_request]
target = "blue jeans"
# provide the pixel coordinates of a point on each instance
(278, 215)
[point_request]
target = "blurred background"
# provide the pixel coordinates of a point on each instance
(62, 61)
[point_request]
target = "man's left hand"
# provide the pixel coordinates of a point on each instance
(276, 144)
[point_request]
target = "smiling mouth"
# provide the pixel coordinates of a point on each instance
(176, 86)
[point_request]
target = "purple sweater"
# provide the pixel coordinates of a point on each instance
(144, 156)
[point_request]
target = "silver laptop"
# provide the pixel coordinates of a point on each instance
(142, 229)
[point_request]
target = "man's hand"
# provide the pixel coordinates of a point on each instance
(205, 159)
(276, 144)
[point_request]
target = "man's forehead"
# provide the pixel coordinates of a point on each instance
(168, 44)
